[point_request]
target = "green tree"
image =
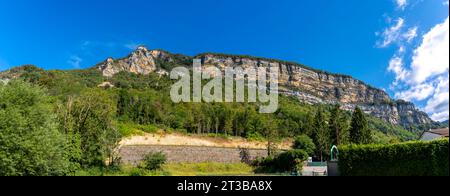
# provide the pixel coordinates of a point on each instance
(321, 134)
(269, 132)
(87, 121)
(338, 126)
(153, 161)
(359, 130)
(305, 143)
(308, 125)
(30, 143)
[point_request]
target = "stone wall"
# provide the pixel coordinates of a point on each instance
(187, 154)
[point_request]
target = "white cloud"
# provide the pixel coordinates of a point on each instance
(446, 3)
(427, 77)
(392, 34)
(416, 93)
(75, 61)
(438, 105)
(432, 56)
(401, 4)
(410, 34)
(396, 66)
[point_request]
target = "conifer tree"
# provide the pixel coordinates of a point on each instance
(359, 130)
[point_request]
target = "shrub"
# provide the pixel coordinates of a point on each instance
(404, 159)
(303, 142)
(244, 154)
(153, 161)
(87, 120)
(30, 143)
(285, 162)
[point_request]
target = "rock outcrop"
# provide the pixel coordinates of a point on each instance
(307, 84)
(141, 61)
(318, 87)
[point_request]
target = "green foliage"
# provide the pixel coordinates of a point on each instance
(30, 143)
(87, 120)
(145, 99)
(389, 130)
(244, 154)
(338, 126)
(305, 143)
(359, 130)
(404, 159)
(137, 104)
(288, 161)
(208, 169)
(153, 161)
(321, 135)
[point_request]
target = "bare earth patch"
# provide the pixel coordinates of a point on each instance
(176, 139)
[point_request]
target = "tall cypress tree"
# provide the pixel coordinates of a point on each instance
(359, 130)
(338, 126)
(321, 134)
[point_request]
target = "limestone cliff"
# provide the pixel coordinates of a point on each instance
(307, 84)
(140, 61)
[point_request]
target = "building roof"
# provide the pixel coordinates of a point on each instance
(443, 132)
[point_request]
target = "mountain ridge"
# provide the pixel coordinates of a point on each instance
(309, 85)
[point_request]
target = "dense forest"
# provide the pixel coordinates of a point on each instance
(71, 112)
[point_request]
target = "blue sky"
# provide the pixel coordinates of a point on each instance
(372, 40)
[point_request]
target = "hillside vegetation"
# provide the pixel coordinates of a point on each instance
(91, 120)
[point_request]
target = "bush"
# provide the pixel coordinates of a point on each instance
(153, 161)
(244, 154)
(303, 142)
(285, 162)
(87, 120)
(405, 159)
(30, 143)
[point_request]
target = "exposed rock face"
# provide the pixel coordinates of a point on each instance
(140, 61)
(409, 114)
(308, 85)
(317, 87)
(325, 86)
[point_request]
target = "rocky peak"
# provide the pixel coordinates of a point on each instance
(140, 61)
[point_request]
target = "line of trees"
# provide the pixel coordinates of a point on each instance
(326, 126)
(39, 139)
(58, 135)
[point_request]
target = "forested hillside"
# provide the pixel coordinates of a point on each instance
(87, 114)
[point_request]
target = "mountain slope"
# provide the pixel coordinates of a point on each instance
(307, 84)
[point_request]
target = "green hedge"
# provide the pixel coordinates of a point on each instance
(285, 162)
(404, 159)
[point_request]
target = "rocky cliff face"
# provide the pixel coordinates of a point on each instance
(308, 85)
(141, 61)
(318, 87)
(325, 86)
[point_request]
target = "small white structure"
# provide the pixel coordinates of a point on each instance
(434, 134)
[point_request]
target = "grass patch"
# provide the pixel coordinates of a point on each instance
(125, 170)
(130, 129)
(208, 169)
(174, 169)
